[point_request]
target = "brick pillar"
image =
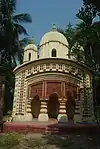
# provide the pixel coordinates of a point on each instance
(62, 116)
(43, 116)
(28, 116)
(77, 115)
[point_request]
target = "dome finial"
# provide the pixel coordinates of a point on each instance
(54, 28)
(31, 40)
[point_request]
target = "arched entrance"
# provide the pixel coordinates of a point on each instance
(35, 106)
(53, 106)
(70, 106)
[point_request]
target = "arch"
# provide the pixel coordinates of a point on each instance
(29, 56)
(54, 53)
(35, 106)
(74, 94)
(70, 106)
(53, 106)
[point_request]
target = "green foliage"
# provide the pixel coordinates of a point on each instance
(10, 141)
(9, 113)
(86, 35)
(38, 141)
(75, 48)
(95, 4)
(69, 33)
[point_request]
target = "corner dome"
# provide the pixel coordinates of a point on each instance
(53, 35)
(31, 46)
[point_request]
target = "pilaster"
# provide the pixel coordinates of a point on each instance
(77, 115)
(28, 115)
(43, 116)
(87, 99)
(16, 97)
(62, 116)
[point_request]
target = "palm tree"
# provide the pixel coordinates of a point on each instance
(11, 50)
(10, 29)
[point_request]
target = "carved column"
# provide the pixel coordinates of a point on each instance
(43, 116)
(77, 115)
(28, 115)
(16, 102)
(86, 99)
(89, 97)
(62, 116)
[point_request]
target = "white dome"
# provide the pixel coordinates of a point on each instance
(54, 35)
(31, 47)
(30, 52)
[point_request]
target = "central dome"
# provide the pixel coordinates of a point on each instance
(53, 36)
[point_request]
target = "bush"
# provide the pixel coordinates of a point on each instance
(10, 141)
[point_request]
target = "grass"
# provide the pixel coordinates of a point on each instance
(39, 141)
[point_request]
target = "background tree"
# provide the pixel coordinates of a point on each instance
(87, 36)
(94, 3)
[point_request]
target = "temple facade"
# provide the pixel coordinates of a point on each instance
(49, 84)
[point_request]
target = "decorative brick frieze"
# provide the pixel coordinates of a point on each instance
(55, 67)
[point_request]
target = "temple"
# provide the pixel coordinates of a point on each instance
(49, 84)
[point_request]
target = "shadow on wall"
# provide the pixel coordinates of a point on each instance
(53, 106)
(35, 106)
(70, 106)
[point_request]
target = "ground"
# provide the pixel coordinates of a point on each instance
(39, 141)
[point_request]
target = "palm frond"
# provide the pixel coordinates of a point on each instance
(12, 5)
(22, 18)
(21, 30)
(23, 42)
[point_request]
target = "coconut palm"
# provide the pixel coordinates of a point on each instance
(11, 47)
(10, 29)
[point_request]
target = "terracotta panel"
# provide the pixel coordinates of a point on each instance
(71, 90)
(36, 90)
(53, 87)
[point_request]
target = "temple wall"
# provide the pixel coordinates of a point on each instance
(46, 78)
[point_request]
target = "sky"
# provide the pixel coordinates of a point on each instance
(44, 13)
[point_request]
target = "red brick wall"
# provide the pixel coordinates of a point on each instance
(53, 87)
(71, 89)
(36, 90)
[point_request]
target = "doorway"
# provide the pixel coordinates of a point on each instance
(53, 106)
(35, 106)
(70, 106)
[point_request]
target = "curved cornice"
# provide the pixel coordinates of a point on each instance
(27, 65)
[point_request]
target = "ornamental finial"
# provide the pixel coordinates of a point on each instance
(54, 28)
(31, 40)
